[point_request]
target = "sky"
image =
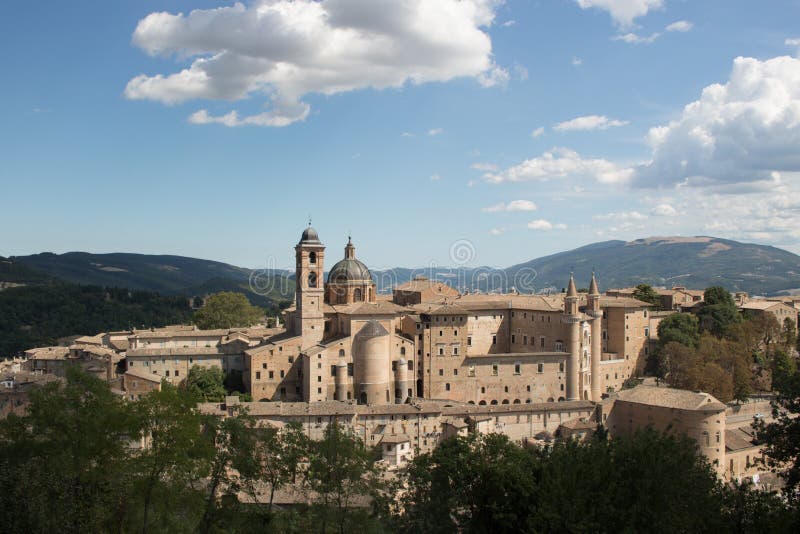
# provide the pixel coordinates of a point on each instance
(471, 132)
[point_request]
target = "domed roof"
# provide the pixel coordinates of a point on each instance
(309, 235)
(349, 270)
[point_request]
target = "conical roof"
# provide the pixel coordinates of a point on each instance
(593, 290)
(571, 291)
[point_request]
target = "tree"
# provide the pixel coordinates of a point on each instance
(681, 328)
(66, 459)
(646, 293)
(782, 436)
(789, 334)
(227, 310)
(340, 469)
(176, 455)
(718, 311)
(206, 383)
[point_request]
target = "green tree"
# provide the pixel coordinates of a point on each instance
(227, 310)
(63, 465)
(340, 469)
(646, 293)
(718, 311)
(206, 383)
(789, 334)
(782, 436)
(681, 328)
(177, 454)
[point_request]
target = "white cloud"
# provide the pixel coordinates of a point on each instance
(589, 122)
(680, 26)
(561, 163)
(538, 132)
(435, 178)
(634, 38)
(521, 71)
(664, 210)
(541, 224)
(514, 205)
(576, 61)
(741, 132)
(623, 11)
(436, 131)
(496, 231)
(283, 50)
(621, 216)
(486, 167)
(509, 23)
(407, 134)
(792, 42)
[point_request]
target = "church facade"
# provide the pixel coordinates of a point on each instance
(343, 342)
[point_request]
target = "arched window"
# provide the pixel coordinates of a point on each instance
(516, 401)
(494, 401)
(341, 352)
(312, 279)
(312, 257)
(505, 401)
(482, 403)
(357, 295)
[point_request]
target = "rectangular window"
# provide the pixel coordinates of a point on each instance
(540, 368)
(447, 386)
(319, 378)
(263, 365)
(455, 350)
(441, 351)
(271, 375)
(524, 340)
(541, 341)
(469, 341)
(517, 368)
(258, 375)
(494, 340)
(441, 372)
(410, 365)
(333, 370)
(455, 372)
(166, 373)
(176, 373)
(495, 369)
(513, 338)
(455, 332)
(282, 373)
(349, 369)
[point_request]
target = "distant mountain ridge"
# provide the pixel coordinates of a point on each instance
(693, 262)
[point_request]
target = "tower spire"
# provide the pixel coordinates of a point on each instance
(593, 290)
(571, 290)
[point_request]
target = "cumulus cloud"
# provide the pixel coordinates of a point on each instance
(589, 122)
(538, 132)
(283, 50)
(514, 205)
(561, 163)
(664, 210)
(542, 224)
(680, 26)
(621, 216)
(623, 12)
(742, 131)
(634, 38)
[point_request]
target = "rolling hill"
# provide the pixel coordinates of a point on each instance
(694, 262)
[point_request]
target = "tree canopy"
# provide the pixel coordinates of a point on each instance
(227, 310)
(646, 293)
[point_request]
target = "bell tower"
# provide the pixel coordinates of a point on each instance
(572, 319)
(309, 290)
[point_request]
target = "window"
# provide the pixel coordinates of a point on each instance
(559, 346)
(176, 373)
(517, 368)
(441, 372)
(513, 338)
(291, 359)
(263, 365)
(524, 340)
(349, 369)
(312, 279)
(441, 351)
(440, 333)
(455, 350)
(166, 373)
(319, 391)
(271, 375)
(319, 378)
(282, 373)
(411, 365)
(312, 258)
(357, 295)
(494, 340)
(402, 351)
(455, 372)
(333, 370)
(495, 369)
(469, 341)
(319, 365)
(258, 375)
(447, 386)
(541, 341)
(561, 368)
(540, 368)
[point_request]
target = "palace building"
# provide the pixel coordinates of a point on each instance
(344, 342)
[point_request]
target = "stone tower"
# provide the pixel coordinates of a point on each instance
(573, 320)
(309, 291)
(593, 310)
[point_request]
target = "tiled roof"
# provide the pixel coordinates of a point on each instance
(671, 398)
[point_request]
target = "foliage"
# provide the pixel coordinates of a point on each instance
(681, 328)
(206, 384)
(646, 482)
(783, 435)
(38, 316)
(227, 310)
(646, 293)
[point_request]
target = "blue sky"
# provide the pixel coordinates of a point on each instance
(524, 127)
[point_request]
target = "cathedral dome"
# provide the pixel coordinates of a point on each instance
(309, 236)
(349, 270)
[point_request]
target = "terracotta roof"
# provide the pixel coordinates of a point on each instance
(622, 302)
(671, 398)
(736, 440)
(175, 351)
(47, 353)
(144, 375)
(382, 307)
(761, 305)
(395, 438)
